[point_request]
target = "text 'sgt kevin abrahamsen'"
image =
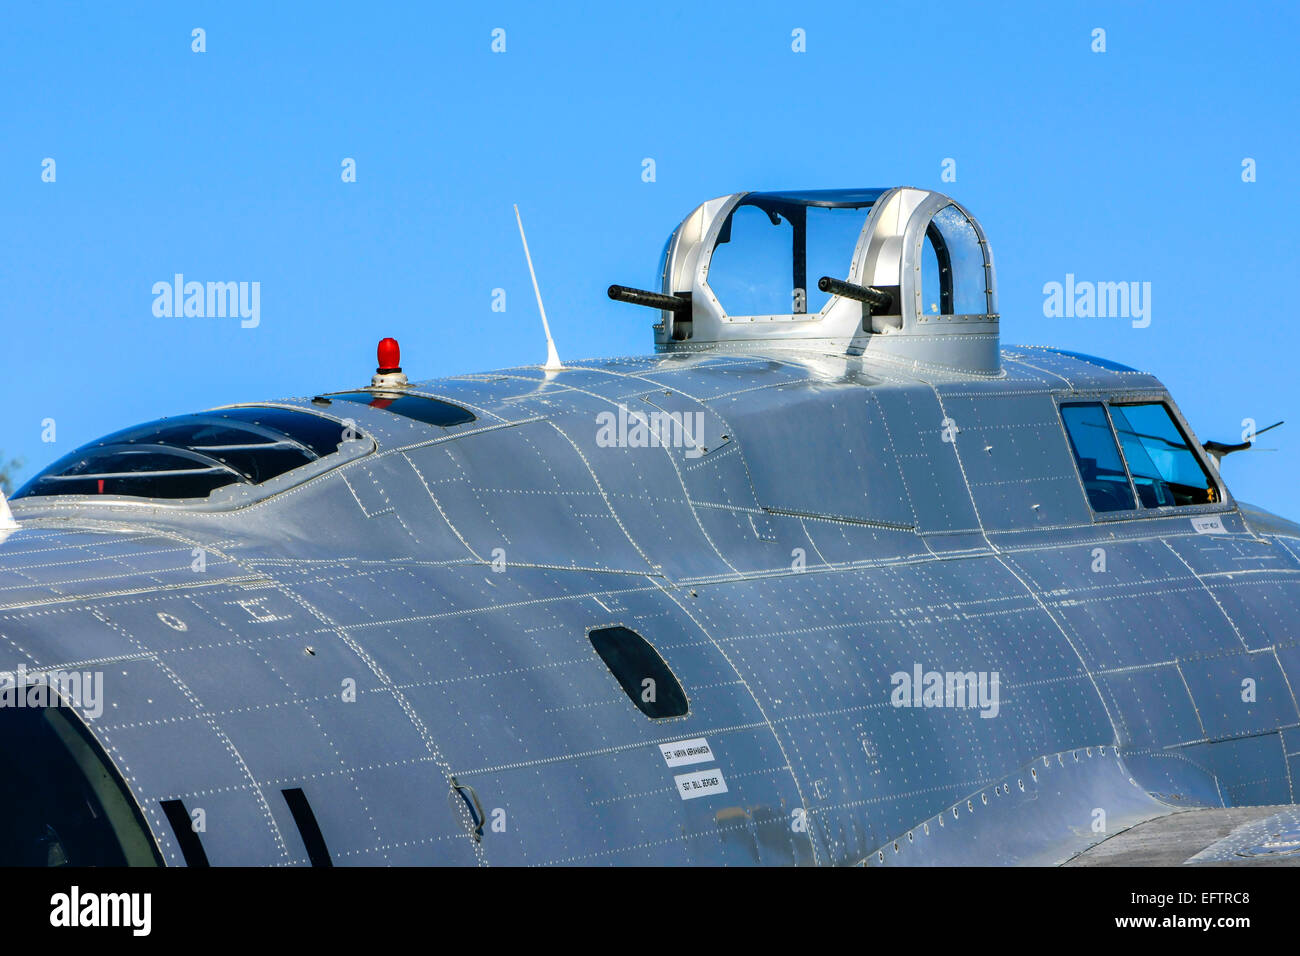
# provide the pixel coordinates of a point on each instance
(832, 577)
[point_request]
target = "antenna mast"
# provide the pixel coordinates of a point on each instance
(552, 356)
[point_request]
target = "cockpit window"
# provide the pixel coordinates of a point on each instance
(431, 411)
(1157, 460)
(773, 247)
(1100, 466)
(1165, 470)
(190, 456)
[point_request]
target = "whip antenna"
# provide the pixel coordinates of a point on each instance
(552, 356)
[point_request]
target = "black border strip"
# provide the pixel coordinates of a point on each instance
(190, 844)
(308, 828)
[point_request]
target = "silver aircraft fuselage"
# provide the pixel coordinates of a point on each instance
(830, 536)
(849, 583)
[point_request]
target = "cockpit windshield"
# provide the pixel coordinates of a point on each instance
(190, 456)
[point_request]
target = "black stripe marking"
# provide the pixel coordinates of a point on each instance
(190, 844)
(312, 838)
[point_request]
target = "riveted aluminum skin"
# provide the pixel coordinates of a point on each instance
(403, 635)
(832, 540)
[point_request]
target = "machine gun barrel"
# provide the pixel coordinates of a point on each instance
(863, 293)
(651, 300)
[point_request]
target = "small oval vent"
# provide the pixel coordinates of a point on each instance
(640, 671)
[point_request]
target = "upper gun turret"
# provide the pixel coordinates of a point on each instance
(900, 272)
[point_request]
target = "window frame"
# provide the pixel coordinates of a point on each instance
(240, 495)
(1119, 452)
(952, 286)
(767, 202)
(1225, 502)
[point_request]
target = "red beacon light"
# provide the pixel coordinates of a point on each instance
(389, 373)
(390, 356)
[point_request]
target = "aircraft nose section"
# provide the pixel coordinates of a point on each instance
(212, 693)
(70, 806)
(73, 601)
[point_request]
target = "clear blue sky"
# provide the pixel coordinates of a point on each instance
(225, 165)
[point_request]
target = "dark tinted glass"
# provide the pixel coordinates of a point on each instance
(62, 804)
(640, 671)
(1098, 458)
(143, 471)
(321, 435)
(255, 455)
(431, 411)
(190, 456)
(1166, 472)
